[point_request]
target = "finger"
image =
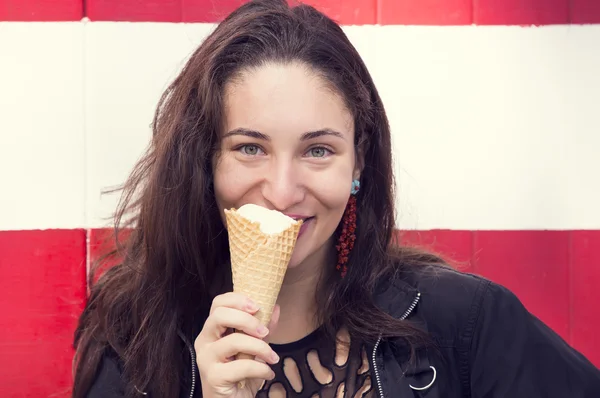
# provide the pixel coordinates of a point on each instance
(234, 300)
(243, 369)
(238, 343)
(224, 318)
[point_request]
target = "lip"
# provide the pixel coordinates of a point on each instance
(296, 216)
(304, 226)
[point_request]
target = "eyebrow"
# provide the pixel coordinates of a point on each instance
(310, 135)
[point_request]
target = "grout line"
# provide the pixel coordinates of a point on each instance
(570, 282)
(85, 146)
(473, 262)
(88, 232)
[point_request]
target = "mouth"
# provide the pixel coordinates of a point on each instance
(303, 219)
(298, 217)
(306, 222)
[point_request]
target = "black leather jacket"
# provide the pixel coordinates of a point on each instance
(487, 345)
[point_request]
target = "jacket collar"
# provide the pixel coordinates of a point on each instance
(394, 296)
(398, 298)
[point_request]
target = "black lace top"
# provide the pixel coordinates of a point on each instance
(319, 367)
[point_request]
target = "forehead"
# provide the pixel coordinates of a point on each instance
(291, 95)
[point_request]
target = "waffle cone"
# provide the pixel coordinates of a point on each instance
(258, 264)
(259, 261)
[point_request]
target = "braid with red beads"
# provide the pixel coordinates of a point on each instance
(347, 236)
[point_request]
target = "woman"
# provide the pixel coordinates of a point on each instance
(276, 108)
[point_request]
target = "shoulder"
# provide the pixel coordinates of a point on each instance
(108, 381)
(446, 285)
(452, 303)
(482, 327)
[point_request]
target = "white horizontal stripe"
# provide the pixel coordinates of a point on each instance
(42, 165)
(494, 127)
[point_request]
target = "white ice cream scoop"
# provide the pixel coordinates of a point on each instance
(270, 221)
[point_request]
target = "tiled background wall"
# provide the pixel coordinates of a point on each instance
(493, 106)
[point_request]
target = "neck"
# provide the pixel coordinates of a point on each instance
(297, 298)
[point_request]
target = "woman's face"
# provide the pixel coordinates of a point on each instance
(288, 145)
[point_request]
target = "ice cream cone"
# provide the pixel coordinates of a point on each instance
(259, 260)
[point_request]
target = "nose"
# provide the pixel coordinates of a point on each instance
(283, 186)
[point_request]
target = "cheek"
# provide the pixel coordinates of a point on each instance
(230, 183)
(332, 188)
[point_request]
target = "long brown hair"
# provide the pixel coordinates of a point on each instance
(175, 260)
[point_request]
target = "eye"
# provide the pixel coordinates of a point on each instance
(250, 150)
(318, 152)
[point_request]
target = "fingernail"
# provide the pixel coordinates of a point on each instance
(262, 330)
(275, 357)
(251, 305)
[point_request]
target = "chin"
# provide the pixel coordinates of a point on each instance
(304, 251)
(298, 258)
(308, 251)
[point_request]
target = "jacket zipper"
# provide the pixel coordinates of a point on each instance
(375, 370)
(193, 356)
(374, 356)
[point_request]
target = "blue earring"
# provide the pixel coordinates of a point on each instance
(355, 187)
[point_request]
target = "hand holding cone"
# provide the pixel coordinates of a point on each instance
(261, 243)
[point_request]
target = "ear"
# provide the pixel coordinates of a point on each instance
(359, 162)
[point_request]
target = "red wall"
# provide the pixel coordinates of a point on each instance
(349, 12)
(42, 273)
(42, 291)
